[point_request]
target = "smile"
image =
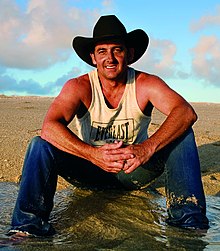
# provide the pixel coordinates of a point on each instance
(110, 67)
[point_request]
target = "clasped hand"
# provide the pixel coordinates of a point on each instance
(117, 156)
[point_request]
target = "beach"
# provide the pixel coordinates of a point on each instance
(22, 118)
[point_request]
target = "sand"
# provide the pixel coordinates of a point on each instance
(22, 118)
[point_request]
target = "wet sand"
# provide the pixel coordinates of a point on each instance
(22, 117)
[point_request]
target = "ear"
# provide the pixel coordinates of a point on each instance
(130, 54)
(93, 58)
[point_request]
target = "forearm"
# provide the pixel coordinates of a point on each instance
(64, 139)
(178, 121)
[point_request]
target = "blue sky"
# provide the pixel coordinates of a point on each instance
(36, 57)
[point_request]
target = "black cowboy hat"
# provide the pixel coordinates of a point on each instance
(110, 28)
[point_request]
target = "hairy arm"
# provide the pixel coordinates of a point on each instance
(61, 112)
(180, 116)
(55, 128)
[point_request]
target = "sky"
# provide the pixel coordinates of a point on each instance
(36, 55)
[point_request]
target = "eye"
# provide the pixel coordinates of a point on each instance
(101, 51)
(118, 50)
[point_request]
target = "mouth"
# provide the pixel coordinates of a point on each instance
(110, 67)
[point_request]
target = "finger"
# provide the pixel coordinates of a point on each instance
(122, 150)
(122, 155)
(115, 167)
(112, 146)
(130, 169)
(129, 165)
(117, 157)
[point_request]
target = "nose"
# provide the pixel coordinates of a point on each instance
(110, 56)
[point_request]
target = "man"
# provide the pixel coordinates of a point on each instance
(111, 149)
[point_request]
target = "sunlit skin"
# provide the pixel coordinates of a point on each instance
(112, 59)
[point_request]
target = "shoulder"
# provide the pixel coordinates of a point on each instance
(73, 90)
(153, 89)
(146, 84)
(147, 79)
(151, 84)
(78, 86)
(78, 82)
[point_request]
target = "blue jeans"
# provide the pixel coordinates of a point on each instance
(43, 163)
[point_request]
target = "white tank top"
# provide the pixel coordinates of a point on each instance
(101, 124)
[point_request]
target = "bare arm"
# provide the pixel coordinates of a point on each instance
(55, 130)
(60, 114)
(180, 114)
(180, 117)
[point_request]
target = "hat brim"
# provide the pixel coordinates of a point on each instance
(136, 39)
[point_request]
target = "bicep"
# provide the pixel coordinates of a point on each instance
(65, 105)
(164, 98)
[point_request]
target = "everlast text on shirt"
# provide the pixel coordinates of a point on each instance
(122, 129)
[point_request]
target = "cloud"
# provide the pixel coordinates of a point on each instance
(159, 58)
(40, 34)
(108, 5)
(30, 87)
(11, 86)
(206, 21)
(206, 59)
(206, 53)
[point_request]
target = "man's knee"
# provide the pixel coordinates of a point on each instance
(37, 142)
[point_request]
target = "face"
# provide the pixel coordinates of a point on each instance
(111, 60)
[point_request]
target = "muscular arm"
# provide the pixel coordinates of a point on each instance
(55, 127)
(180, 114)
(60, 114)
(180, 117)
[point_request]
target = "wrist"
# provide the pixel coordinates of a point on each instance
(150, 145)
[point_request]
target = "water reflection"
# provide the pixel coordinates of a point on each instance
(110, 220)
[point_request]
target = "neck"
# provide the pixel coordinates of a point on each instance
(113, 84)
(112, 91)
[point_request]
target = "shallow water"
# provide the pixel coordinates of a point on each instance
(110, 220)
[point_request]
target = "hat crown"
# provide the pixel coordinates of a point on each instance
(109, 26)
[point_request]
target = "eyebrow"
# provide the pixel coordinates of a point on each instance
(114, 47)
